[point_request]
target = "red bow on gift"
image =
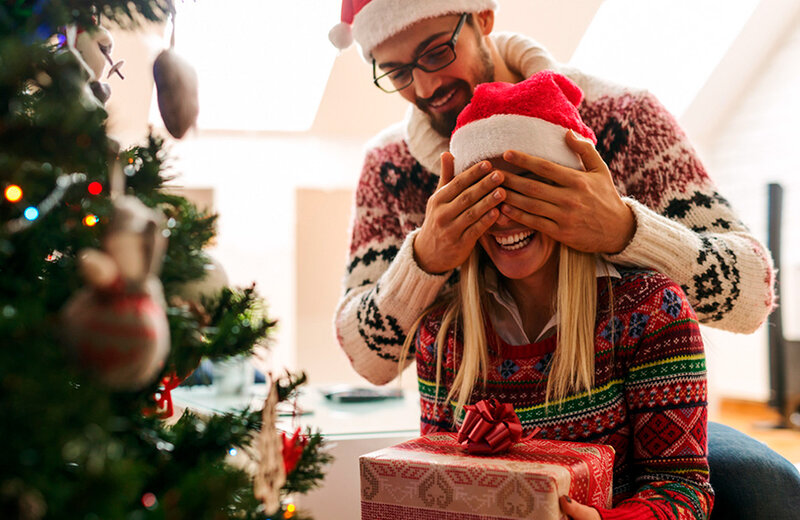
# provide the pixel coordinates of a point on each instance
(490, 427)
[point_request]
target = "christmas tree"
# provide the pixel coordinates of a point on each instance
(90, 352)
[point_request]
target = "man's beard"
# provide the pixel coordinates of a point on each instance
(445, 122)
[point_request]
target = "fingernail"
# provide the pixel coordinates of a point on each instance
(568, 499)
(498, 195)
(485, 165)
(495, 176)
(509, 155)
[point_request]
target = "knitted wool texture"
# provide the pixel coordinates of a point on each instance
(531, 116)
(648, 401)
(685, 228)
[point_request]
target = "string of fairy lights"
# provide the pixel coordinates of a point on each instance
(31, 213)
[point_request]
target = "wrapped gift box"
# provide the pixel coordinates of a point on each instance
(432, 477)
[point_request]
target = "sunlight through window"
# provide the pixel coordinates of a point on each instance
(669, 47)
(262, 66)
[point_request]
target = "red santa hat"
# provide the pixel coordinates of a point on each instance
(370, 22)
(531, 116)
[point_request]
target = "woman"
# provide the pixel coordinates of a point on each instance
(583, 350)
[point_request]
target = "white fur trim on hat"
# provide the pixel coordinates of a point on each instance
(341, 36)
(382, 19)
(490, 137)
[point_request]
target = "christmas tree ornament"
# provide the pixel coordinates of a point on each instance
(164, 409)
(117, 327)
(292, 449)
(95, 48)
(95, 92)
(176, 87)
(271, 474)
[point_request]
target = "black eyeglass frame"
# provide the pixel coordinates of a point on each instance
(415, 64)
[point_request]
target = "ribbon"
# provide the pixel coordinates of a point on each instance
(490, 427)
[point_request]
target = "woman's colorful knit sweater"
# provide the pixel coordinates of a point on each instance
(648, 400)
(685, 229)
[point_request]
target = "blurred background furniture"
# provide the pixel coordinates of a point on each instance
(784, 354)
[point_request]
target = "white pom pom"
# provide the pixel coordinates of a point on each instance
(341, 36)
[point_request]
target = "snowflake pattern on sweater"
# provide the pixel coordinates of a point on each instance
(648, 400)
(685, 229)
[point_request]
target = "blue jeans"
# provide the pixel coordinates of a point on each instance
(750, 480)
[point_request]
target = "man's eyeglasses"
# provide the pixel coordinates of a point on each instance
(431, 60)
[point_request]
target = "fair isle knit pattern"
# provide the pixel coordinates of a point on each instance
(685, 229)
(648, 400)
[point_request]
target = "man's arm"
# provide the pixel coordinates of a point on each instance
(385, 287)
(687, 230)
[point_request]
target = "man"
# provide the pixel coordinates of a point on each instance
(652, 204)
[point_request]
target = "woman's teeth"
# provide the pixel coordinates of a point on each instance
(441, 101)
(515, 241)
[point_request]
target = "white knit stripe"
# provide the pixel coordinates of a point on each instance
(490, 137)
(382, 19)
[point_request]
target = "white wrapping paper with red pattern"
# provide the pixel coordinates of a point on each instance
(432, 477)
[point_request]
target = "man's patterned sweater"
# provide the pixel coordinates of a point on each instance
(684, 228)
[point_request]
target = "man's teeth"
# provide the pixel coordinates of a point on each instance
(515, 241)
(442, 101)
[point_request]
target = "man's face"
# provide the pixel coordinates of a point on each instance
(444, 93)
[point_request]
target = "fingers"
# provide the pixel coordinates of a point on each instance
(462, 181)
(586, 150)
(477, 229)
(561, 175)
(448, 165)
(473, 212)
(577, 511)
(534, 188)
(542, 208)
(545, 225)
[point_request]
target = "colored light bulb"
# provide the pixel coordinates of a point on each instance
(148, 500)
(13, 193)
(31, 213)
(90, 220)
(95, 188)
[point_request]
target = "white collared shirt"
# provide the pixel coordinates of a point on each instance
(504, 313)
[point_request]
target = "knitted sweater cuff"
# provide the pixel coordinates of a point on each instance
(658, 243)
(408, 290)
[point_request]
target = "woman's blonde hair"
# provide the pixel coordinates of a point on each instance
(572, 365)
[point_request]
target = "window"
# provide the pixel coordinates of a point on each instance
(261, 65)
